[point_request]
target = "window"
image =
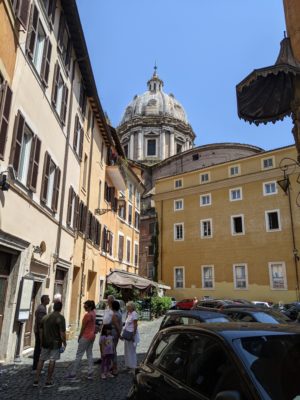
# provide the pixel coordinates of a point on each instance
(137, 199)
(204, 178)
(272, 220)
(50, 183)
(121, 247)
(5, 103)
(21, 9)
(130, 193)
(151, 250)
(25, 153)
(237, 225)
(178, 205)
(122, 210)
(277, 274)
(128, 250)
(136, 254)
(234, 170)
(151, 147)
(82, 217)
(151, 228)
(267, 163)
(195, 157)
(178, 183)
(129, 214)
(100, 194)
(269, 188)
(82, 98)
(207, 277)
(178, 232)
(59, 95)
(85, 171)
(126, 150)
(107, 241)
(206, 228)
(150, 269)
(64, 42)
(73, 209)
(205, 200)
(137, 220)
(235, 194)
(240, 276)
(178, 277)
(38, 46)
(49, 7)
(178, 148)
(78, 138)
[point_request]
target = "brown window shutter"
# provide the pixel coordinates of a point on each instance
(88, 224)
(81, 205)
(81, 143)
(110, 243)
(45, 179)
(23, 12)
(51, 11)
(104, 239)
(34, 164)
(32, 30)
(55, 194)
(55, 84)
(68, 55)
(46, 61)
(70, 203)
(17, 141)
(4, 116)
(97, 232)
(121, 245)
(94, 222)
(75, 133)
(65, 104)
(76, 213)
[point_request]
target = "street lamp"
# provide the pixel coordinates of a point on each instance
(102, 211)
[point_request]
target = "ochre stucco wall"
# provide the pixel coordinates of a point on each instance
(8, 43)
(292, 18)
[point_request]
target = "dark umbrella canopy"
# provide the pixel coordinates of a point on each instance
(266, 94)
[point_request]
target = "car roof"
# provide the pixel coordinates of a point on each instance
(196, 314)
(249, 309)
(235, 330)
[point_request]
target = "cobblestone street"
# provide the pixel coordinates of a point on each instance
(16, 379)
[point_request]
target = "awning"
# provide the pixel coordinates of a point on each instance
(267, 93)
(116, 177)
(127, 280)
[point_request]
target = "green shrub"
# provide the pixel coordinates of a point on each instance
(159, 305)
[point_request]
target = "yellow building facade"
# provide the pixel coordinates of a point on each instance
(228, 231)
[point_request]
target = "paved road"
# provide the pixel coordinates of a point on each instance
(16, 380)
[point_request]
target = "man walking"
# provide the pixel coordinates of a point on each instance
(40, 312)
(53, 337)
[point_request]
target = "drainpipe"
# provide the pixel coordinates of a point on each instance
(85, 236)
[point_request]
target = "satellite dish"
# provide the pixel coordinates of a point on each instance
(42, 247)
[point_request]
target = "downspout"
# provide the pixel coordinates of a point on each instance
(63, 186)
(85, 236)
(160, 274)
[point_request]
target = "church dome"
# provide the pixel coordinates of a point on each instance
(154, 102)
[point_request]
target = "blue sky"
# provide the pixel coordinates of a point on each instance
(202, 48)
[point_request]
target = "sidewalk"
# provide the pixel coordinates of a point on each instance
(16, 379)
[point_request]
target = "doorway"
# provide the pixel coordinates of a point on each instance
(5, 268)
(29, 323)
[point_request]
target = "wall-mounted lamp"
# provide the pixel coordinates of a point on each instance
(39, 249)
(284, 184)
(4, 185)
(295, 252)
(102, 211)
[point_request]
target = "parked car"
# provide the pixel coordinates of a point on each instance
(101, 306)
(217, 303)
(190, 317)
(261, 303)
(185, 304)
(227, 361)
(292, 309)
(264, 315)
(173, 303)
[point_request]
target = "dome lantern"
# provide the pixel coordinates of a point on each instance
(155, 84)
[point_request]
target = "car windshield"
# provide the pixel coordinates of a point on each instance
(263, 317)
(217, 319)
(273, 361)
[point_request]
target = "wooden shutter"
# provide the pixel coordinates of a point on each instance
(88, 224)
(55, 84)
(121, 246)
(23, 12)
(70, 204)
(110, 243)
(81, 143)
(75, 133)
(64, 104)
(46, 61)
(81, 206)
(55, 194)
(4, 115)
(76, 213)
(17, 141)
(51, 11)
(97, 233)
(34, 164)
(104, 239)
(45, 179)
(61, 31)
(32, 30)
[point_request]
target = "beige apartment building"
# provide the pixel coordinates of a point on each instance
(229, 231)
(59, 160)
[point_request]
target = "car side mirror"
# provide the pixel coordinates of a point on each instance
(228, 395)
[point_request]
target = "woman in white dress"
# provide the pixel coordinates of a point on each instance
(131, 325)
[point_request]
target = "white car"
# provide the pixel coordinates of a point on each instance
(261, 303)
(101, 306)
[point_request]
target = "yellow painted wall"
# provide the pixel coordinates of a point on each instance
(292, 18)
(8, 42)
(256, 247)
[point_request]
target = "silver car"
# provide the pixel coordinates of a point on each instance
(101, 306)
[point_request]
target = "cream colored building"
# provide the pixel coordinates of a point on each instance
(227, 230)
